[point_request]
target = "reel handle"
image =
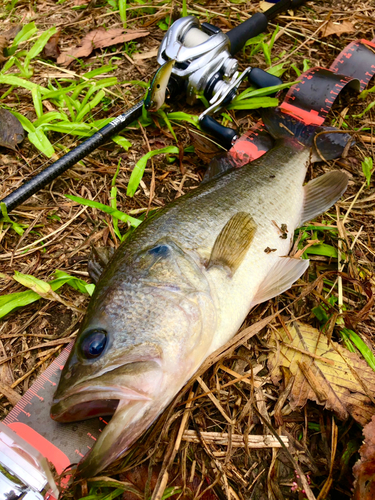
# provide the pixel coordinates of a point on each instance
(225, 136)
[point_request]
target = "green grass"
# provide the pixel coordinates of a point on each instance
(18, 228)
(76, 100)
(367, 168)
(38, 289)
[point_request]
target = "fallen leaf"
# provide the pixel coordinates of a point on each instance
(3, 45)
(98, 39)
(11, 131)
(204, 147)
(51, 49)
(12, 32)
(364, 469)
(338, 29)
(263, 5)
(329, 375)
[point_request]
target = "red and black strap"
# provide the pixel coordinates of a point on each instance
(312, 97)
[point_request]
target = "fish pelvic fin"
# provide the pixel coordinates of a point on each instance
(233, 242)
(327, 143)
(281, 277)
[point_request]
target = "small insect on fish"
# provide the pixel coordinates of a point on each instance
(182, 283)
(156, 93)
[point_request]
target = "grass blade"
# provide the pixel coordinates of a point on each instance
(39, 45)
(20, 82)
(105, 208)
(41, 142)
(140, 166)
(361, 346)
(254, 103)
(91, 105)
(27, 32)
(122, 9)
(21, 299)
(5, 217)
(121, 141)
(37, 100)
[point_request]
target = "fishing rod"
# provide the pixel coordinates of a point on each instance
(204, 66)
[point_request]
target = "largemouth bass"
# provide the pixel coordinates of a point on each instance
(182, 284)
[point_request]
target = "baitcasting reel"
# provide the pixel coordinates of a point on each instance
(204, 63)
(202, 57)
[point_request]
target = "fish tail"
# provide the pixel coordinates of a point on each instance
(327, 143)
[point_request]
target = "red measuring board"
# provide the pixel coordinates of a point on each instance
(312, 97)
(309, 100)
(357, 60)
(61, 444)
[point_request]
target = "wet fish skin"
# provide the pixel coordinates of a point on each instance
(165, 309)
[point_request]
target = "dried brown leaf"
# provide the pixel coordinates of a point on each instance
(12, 32)
(204, 147)
(52, 50)
(331, 376)
(3, 45)
(338, 29)
(98, 39)
(364, 469)
(11, 131)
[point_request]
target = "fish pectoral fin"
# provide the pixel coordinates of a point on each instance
(233, 242)
(281, 277)
(98, 259)
(322, 193)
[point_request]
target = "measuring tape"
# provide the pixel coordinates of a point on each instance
(312, 97)
(62, 445)
(309, 100)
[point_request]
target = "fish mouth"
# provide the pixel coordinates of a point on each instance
(100, 396)
(88, 403)
(81, 411)
(134, 402)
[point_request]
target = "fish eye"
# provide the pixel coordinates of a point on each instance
(93, 344)
(158, 86)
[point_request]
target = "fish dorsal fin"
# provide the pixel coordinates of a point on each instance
(98, 259)
(281, 277)
(322, 193)
(233, 242)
